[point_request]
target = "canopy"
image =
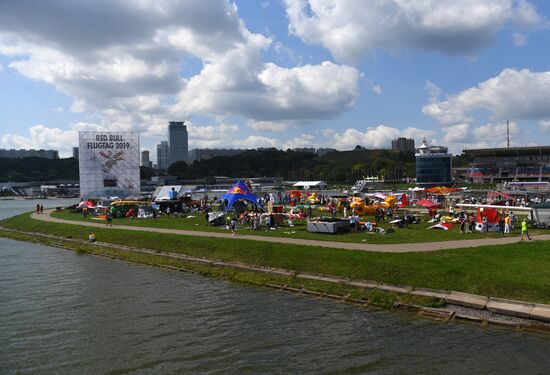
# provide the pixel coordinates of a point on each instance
(404, 200)
(239, 191)
(295, 193)
(442, 190)
(426, 203)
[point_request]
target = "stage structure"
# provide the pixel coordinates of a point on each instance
(109, 164)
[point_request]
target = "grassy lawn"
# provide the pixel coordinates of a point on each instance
(518, 271)
(413, 234)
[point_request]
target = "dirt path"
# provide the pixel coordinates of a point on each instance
(365, 246)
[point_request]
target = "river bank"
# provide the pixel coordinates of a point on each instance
(424, 302)
(217, 258)
(63, 312)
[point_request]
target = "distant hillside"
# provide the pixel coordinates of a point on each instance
(38, 169)
(334, 167)
(340, 166)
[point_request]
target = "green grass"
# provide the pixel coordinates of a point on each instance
(415, 233)
(517, 271)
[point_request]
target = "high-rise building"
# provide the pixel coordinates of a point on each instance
(403, 144)
(177, 138)
(145, 161)
(75, 152)
(163, 155)
(433, 165)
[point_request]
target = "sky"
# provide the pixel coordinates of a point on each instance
(276, 73)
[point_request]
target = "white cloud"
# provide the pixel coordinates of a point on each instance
(519, 39)
(512, 94)
(544, 125)
(57, 109)
(127, 71)
(304, 140)
(43, 137)
(379, 136)
(271, 126)
(465, 136)
(495, 132)
(434, 91)
(240, 84)
(78, 106)
(1, 68)
(351, 29)
(456, 133)
(526, 16)
(255, 141)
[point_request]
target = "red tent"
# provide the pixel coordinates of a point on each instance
(295, 193)
(404, 200)
(426, 203)
(490, 213)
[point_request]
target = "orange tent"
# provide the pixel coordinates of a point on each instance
(442, 190)
(295, 194)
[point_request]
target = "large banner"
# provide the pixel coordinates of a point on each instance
(109, 164)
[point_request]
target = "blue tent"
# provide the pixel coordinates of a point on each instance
(239, 191)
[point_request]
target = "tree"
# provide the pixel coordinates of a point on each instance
(179, 169)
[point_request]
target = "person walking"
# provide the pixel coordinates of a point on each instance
(524, 230)
(472, 223)
(41, 209)
(463, 223)
(485, 227)
(389, 213)
(500, 226)
(507, 224)
(233, 226)
(109, 216)
(37, 208)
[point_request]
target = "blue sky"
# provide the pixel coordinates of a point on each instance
(281, 73)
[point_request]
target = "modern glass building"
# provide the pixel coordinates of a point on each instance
(177, 139)
(163, 155)
(433, 165)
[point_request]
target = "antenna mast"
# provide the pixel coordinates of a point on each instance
(508, 132)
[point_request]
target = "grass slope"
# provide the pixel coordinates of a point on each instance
(517, 271)
(415, 233)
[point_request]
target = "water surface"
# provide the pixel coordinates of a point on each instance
(61, 312)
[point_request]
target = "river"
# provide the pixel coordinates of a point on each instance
(61, 312)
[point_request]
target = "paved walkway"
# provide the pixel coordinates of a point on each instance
(364, 246)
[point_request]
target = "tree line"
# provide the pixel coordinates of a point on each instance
(339, 166)
(335, 167)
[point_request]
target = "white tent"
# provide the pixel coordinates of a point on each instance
(542, 213)
(306, 185)
(161, 192)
